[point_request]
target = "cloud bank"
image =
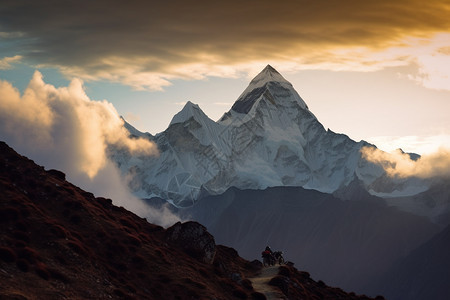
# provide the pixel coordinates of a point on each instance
(62, 128)
(148, 44)
(399, 164)
(6, 62)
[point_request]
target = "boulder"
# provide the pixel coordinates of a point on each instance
(193, 239)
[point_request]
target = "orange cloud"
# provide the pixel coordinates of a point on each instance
(146, 45)
(399, 164)
(63, 127)
(5, 63)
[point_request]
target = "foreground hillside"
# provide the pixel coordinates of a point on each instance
(58, 241)
(345, 243)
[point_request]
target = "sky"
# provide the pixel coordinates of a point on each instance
(374, 70)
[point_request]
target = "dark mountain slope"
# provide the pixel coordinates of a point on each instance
(344, 243)
(60, 242)
(423, 274)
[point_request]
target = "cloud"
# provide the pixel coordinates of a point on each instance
(62, 128)
(433, 59)
(414, 144)
(399, 164)
(5, 62)
(147, 45)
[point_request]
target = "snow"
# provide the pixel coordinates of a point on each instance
(268, 79)
(190, 110)
(268, 74)
(269, 138)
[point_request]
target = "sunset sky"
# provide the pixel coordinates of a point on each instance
(374, 70)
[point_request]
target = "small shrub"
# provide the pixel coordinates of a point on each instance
(112, 272)
(21, 226)
(134, 240)
(101, 234)
(77, 247)
(284, 272)
(70, 191)
(138, 259)
(258, 296)
(76, 235)
(305, 275)
(58, 174)
(120, 293)
(29, 254)
(195, 283)
(7, 254)
(75, 219)
(281, 282)
(41, 271)
(58, 231)
(8, 214)
(20, 244)
(203, 272)
(61, 259)
(130, 288)
(106, 203)
(127, 223)
(21, 236)
(164, 278)
(22, 265)
(238, 293)
(55, 274)
(121, 267)
(247, 284)
(25, 211)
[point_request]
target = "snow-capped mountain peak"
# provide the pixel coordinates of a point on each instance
(268, 74)
(268, 138)
(190, 110)
(268, 84)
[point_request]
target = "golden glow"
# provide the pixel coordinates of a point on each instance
(398, 164)
(150, 44)
(65, 120)
(5, 62)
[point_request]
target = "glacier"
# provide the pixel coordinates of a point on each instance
(268, 138)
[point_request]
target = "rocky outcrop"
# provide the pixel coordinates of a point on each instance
(193, 239)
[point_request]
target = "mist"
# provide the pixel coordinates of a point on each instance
(399, 164)
(61, 128)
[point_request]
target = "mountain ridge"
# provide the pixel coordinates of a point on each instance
(58, 241)
(277, 141)
(268, 138)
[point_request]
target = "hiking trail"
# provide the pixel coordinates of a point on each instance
(261, 283)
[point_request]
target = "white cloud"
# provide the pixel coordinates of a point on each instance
(414, 144)
(399, 164)
(433, 59)
(5, 62)
(62, 128)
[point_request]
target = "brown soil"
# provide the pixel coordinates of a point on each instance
(60, 242)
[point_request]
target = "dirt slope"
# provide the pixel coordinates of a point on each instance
(60, 242)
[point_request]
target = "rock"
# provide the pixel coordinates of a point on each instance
(193, 239)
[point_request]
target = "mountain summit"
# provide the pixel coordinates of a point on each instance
(268, 138)
(268, 74)
(269, 84)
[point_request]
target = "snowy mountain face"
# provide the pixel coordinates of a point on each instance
(268, 138)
